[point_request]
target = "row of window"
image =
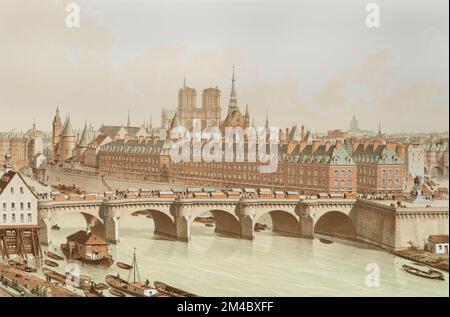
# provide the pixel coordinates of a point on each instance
(21, 218)
(13, 206)
(21, 190)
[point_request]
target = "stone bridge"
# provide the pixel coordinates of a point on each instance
(373, 222)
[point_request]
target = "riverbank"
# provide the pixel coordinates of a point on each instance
(30, 281)
(438, 261)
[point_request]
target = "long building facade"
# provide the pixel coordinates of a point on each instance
(306, 164)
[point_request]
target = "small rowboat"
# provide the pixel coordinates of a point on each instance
(116, 292)
(166, 289)
(432, 274)
(54, 256)
(55, 227)
(325, 241)
(52, 275)
(21, 266)
(124, 266)
(50, 263)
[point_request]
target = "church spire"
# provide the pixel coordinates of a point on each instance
(233, 96)
(128, 120)
(267, 119)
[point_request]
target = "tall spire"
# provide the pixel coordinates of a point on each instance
(57, 118)
(246, 111)
(379, 128)
(267, 119)
(128, 120)
(233, 96)
(184, 81)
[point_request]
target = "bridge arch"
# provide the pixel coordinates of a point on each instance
(164, 224)
(92, 220)
(225, 222)
(337, 224)
(283, 222)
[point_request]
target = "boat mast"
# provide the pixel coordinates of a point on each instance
(134, 269)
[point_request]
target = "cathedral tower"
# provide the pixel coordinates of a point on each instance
(56, 133)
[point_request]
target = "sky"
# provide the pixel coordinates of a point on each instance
(310, 62)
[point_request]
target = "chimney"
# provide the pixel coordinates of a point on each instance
(391, 146)
(8, 165)
(401, 150)
(315, 145)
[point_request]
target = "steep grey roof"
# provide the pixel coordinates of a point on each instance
(175, 122)
(68, 130)
(84, 140)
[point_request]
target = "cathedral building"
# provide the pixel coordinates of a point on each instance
(208, 114)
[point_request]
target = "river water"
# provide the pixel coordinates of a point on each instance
(271, 265)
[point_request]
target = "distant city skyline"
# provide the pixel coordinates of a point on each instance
(306, 62)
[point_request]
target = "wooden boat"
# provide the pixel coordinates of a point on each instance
(432, 274)
(325, 241)
(100, 286)
(260, 226)
(52, 275)
(92, 292)
(135, 288)
(166, 289)
(124, 266)
(21, 266)
(116, 292)
(54, 256)
(50, 263)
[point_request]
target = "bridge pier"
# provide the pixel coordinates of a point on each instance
(111, 229)
(183, 220)
(306, 223)
(247, 214)
(45, 231)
